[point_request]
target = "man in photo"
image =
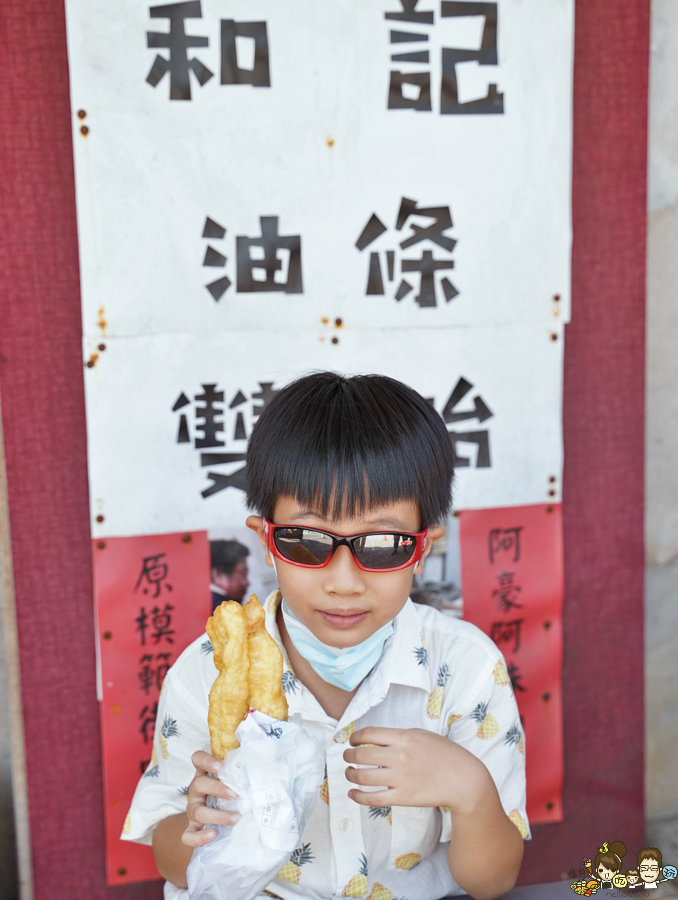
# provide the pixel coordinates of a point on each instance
(229, 572)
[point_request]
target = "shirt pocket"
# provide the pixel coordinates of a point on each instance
(415, 834)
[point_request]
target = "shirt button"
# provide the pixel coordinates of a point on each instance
(346, 824)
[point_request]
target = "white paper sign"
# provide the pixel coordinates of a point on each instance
(391, 163)
(168, 417)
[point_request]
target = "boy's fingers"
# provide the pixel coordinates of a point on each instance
(203, 786)
(382, 737)
(205, 761)
(198, 838)
(200, 815)
(366, 756)
(371, 798)
(372, 777)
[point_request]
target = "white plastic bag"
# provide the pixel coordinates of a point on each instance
(276, 773)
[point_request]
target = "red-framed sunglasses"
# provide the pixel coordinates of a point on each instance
(373, 551)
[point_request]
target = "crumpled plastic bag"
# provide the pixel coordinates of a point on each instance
(276, 773)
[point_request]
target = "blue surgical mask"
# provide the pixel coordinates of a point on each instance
(344, 668)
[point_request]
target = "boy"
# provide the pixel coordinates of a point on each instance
(350, 478)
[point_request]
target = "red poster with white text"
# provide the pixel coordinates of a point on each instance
(152, 599)
(512, 585)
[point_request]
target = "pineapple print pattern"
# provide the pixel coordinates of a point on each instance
(127, 827)
(325, 789)
(408, 860)
(342, 737)
(500, 673)
(381, 812)
(519, 822)
(273, 602)
(380, 892)
(153, 769)
(513, 736)
(290, 682)
(434, 704)
(488, 727)
(169, 729)
(291, 871)
(357, 886)
(421, 652)
(452, 718)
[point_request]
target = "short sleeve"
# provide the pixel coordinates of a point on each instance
(489, 727)
(180, 729)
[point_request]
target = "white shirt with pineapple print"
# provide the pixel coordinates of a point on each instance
(435, 672)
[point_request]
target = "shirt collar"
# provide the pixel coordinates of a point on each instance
(404, 658)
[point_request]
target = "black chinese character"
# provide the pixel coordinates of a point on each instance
(231, 73)
(493, 102)
(505, 540)
(214, 259)
(268, 262)
(153, 572)
(481, 412)
(572, 873)
(516, 677)
(426, 264)
(150, 675)
(507, 593)
(412, 89)
(206, 417)
(162, 620)
(410, 13)
(505, 632)
(210, 426)
(146, 674)
(141, 625)
(147, 716)
(178, 43)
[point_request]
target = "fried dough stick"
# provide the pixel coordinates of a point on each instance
(228, 631)
(266, 665)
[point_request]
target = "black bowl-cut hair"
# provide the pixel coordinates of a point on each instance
(342, 445)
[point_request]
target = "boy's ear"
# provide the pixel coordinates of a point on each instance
(256, 523)
(434, 534)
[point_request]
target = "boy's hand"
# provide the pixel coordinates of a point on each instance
(198, 812)
(417, 768)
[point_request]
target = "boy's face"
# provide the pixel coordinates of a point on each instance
(340, 603)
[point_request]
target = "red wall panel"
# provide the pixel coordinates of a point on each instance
(44, 421)
(604, 411)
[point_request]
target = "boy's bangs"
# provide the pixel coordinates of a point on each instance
(342, 446)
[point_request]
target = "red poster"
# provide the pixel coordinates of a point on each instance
(512, 585)
(152, 600)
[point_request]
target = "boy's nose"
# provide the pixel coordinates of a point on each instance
(342, 575)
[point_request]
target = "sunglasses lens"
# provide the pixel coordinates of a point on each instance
(303, 545)
(384, 551)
